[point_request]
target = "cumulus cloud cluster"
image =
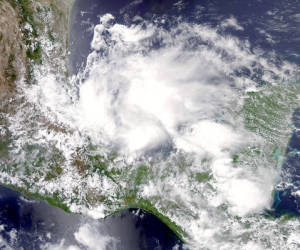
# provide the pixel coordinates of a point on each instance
(88, 236)
(150, 90)
(147, 90)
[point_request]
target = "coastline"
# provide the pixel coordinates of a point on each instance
(62, 32)
(62, 20)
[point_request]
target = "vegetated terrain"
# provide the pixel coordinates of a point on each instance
(24, 25)
(13, 51)
(33, 37)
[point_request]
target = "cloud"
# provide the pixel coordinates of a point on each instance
(61, 245)
(89, 236)
(141, 97)
(231, 22)
(147, 91)
(146, 88)
(92, 239)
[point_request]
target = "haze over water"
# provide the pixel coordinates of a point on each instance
(170, 89)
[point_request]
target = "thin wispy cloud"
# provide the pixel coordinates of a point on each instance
(169, 96)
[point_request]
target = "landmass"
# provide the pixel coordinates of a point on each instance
(34, 42)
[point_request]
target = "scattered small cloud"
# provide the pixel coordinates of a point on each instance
(232, 23)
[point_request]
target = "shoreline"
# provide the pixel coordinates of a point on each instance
(125, 202)
(51, 199)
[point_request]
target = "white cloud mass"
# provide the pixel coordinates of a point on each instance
(149, 92)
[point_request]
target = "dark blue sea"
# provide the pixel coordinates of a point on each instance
(257, 20)
(27, 223)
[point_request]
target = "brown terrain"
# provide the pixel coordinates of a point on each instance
(18, 55)
(12, 51)
(14, 42)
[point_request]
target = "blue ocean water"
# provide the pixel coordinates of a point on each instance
(27, 223)
(286, 201)
(270, 25)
